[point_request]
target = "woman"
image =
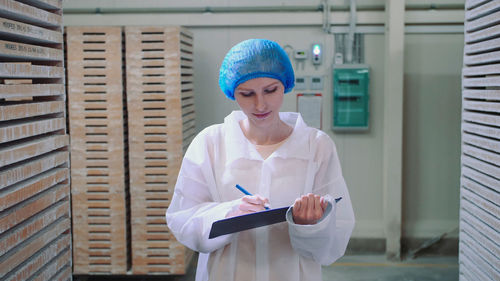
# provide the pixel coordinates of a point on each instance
(276, 157)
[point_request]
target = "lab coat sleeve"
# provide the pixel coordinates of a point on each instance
(193, 210)
(326, 241)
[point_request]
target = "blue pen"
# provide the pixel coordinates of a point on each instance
(247, 193)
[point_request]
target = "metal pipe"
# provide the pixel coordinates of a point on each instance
(326, 16)
(189, 10)
(352, 27)
(138, 7)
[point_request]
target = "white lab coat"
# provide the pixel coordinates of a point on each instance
(219, 158)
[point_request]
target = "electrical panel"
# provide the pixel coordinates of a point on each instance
(350, 97)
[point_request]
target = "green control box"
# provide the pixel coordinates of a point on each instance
(350, 97)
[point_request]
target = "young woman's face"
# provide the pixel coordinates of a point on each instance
(260, 99)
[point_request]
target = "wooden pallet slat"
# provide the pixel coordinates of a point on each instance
(25, 170)
(18, 152)
(481, 154)
(29, 14)
(481, 46)
(11, 29)
(477, 190)
(469, 269)
(485, 231)
(481, 118)
(482, 106)
(33, 245)
(489, 81)
(35, 90)
(32, 226)
(32, 206)
(484, 167)
(481, 10)
(40, 259)
(22, 191)
(483, 22)
(471, 4)
(490, 248)
(22, 129)
(485, 143)
(482, 40)
(481, 130)
(481, 94)
(21, 51)
(59, 265)
(44, 4)
(480, 257)
(479, 213)
(483, 70)
(18, 111)
(483, 58)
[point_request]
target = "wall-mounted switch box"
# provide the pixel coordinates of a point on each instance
(316, 82)
(300, 54)
(300, 83)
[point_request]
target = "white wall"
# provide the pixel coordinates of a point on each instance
(432, 149)
(432, 103)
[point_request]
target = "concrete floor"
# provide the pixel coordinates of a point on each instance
(348, 268)
(377, 268)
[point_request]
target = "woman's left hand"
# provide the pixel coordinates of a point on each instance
(308, 209)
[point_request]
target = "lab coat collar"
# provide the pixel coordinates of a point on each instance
(238, 146)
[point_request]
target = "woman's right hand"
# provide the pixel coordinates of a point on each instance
(308, 209)
(249, 204)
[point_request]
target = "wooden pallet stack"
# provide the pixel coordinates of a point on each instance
(479, 255)
(161, 123)
(150, 129)
(35, 226)
(95, 105)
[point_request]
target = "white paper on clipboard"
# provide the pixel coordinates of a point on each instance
(309, 106)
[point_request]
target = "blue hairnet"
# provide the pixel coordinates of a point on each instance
(255, 58)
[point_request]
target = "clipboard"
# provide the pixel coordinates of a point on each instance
(249, 221)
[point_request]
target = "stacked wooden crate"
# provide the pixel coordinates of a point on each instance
(161, 123)
(159, 108)
(35, 238)
(479, 255)
(95, 94)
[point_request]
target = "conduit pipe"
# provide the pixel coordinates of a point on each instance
(188, 10)
(352, 28)
(326, 15)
